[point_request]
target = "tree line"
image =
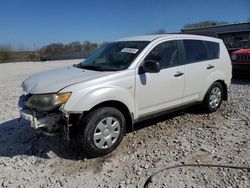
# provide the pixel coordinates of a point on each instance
(59, 49)
(76, 49)
(49, 52)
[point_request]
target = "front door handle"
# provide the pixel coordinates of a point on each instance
(178, 74)
(210, 67)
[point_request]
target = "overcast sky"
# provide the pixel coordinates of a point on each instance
(24, 23)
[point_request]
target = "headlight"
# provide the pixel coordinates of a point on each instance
(47, 102)
(233, 57)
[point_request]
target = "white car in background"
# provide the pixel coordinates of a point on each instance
(124, 82)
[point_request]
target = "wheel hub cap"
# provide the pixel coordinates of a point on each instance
(107, 132)
(215, 97)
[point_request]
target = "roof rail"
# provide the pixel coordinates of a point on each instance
(209, 34)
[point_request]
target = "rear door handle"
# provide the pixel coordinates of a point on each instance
(210, 67)
(178, 74)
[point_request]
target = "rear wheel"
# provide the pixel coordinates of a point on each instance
(101, 131)
(213, 98)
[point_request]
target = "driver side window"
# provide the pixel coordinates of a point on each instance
(166, 53)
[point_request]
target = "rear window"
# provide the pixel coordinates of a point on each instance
(198, 50)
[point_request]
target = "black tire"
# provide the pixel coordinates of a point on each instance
(87, 127)
(207, 106)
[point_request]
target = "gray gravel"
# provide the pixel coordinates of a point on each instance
(31, 159)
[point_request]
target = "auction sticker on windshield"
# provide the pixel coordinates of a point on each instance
(130, 50)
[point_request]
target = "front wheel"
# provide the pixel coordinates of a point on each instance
(213, 98)
(101, 131)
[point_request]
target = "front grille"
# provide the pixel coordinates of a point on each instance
(243, 58)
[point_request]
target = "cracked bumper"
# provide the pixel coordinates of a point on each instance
(39, 119)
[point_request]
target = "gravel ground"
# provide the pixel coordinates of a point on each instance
(31, 159)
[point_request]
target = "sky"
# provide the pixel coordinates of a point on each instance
(29, 24)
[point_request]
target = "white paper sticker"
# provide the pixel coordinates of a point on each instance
(130, 50)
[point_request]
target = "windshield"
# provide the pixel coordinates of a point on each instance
(113, 56)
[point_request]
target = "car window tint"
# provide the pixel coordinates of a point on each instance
(166, 53)
(195, 50)
(213, 50)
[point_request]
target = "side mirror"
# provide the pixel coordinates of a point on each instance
(150, 66)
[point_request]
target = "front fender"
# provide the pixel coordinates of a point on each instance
(80, 101)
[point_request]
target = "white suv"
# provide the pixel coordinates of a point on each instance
(124, 82)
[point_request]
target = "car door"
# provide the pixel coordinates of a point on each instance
(198, 69)
(156, 92)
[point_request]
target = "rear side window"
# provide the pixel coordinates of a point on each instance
(195, 50)
(213, 49)
(198, 50)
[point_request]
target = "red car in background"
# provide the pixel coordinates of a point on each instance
(241, 62)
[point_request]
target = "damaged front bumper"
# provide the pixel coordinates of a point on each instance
(50, 121)
(40, 120)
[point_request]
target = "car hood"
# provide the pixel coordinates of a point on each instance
(54, 80)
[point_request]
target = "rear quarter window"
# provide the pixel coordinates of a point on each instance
(213, 50)
(199, 50)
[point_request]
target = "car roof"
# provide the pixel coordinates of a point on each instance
(153, 37)
(141, 38)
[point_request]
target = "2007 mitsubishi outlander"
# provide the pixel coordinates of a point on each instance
(124, 82)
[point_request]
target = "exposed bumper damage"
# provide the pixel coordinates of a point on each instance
(41, 120)
(49, 121)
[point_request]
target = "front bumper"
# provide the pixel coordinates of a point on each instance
(39, 119)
